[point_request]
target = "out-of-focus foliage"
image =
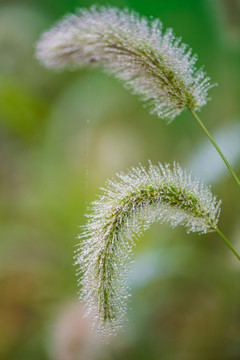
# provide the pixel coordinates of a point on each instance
(61, 136)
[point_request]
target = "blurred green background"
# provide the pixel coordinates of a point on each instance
(61, 136)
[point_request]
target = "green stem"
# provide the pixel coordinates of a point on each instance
(216, 147)
(228, 243)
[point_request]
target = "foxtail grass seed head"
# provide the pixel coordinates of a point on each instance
(127, 207)
(151, 63)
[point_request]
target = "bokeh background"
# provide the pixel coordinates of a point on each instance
(61, 136)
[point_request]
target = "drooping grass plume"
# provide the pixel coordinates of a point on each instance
(151, 63)
(128, 206)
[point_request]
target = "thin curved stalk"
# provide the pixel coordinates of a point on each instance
(216, 147)
(228, 243)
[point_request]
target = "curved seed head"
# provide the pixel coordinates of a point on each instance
(128, 206)
(152, 64)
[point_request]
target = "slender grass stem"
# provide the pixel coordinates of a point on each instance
(216, 147)
(228, 243)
